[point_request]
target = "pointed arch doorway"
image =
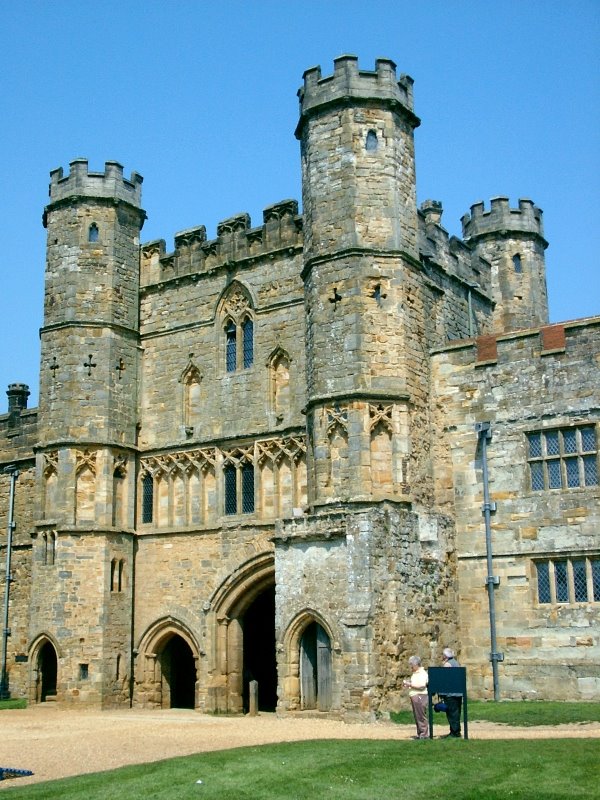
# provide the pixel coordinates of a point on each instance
(178, 669)
(47, 665)
(243, 626)
(315, 668)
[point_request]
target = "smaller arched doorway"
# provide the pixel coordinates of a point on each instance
(178, 670)
(315, 668)
(47, 667)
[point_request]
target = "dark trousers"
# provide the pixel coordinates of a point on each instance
(453, 713)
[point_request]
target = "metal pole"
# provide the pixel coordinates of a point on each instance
(14, 474)
(484, 432)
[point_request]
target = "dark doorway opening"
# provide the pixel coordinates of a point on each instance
(259, 651)
(179, 673)
(48, 671)
(315, 668)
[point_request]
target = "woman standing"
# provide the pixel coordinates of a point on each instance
(417, 686)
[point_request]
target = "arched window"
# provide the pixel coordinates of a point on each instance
(248, 342)
(231, 346)
(230, 489)
(93, 233)
(371, 143)
(517, 264)
(237, 320)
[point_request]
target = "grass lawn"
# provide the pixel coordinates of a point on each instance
(18, 703)
(519, 712)
(551, 769)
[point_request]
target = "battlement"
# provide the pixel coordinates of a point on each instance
(527, 218)
(348, 82)
(82, 182)
(236, 240)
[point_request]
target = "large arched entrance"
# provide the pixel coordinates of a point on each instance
(47, 666)
(259, 650)
(242, 623)
(315, 668)
(178, 669)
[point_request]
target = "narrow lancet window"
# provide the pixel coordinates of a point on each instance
(147, 498)
(517, 264)
(371, 143)
(231, 349)
(248, 342)
(93, 233)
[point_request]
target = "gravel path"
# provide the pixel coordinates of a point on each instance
(55, 743)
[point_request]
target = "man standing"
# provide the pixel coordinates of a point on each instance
(453, 701)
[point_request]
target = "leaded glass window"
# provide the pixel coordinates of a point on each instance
(230, 489)
(147, 498)
(248, 342)
(568, 580)
(543, 576)
(579, 580)
(563, 458)
(247, 489)
(231, 347)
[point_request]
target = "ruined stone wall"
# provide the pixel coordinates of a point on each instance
(539, 380)
(381, 582)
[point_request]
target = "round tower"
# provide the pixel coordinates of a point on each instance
(356, 131)
(512, 240)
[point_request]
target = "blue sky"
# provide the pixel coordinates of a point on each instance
(200, 98)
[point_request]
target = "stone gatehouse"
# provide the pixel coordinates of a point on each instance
(259, 456)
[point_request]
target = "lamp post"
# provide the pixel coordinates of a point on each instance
(484, 433)
(10, 526)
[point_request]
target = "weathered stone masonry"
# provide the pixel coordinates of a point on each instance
(255, 457)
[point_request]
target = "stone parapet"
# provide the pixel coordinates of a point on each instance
(236, 240)
(83, 183)
(350, 83)
(527, 218)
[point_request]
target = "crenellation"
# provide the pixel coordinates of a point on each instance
(81, 182)
(526, 218)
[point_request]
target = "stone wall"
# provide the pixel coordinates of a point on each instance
(527, 381)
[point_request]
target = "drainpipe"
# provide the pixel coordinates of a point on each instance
(484, 432)
(14, 474)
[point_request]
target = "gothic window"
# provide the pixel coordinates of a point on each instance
(93, 233)
(231, 346)
(147, 498)
(563, 458)
(238, 328)
(248, 342)
(371, 143)
(239, 488)
(517, 264)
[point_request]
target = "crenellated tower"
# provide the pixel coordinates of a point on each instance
(512, 240)
(362, 293)
(88, 405)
